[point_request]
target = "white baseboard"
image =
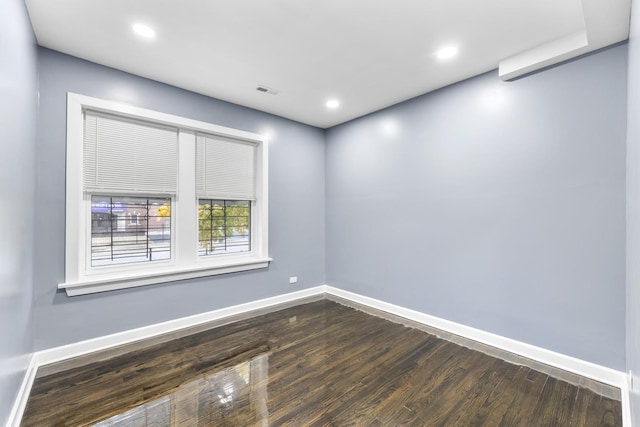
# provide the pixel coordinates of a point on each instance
(625, 389)
(548, 357)
(56, 354)
(23, 394)
(561, 361)
(558, 360)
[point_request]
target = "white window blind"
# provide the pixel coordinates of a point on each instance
(129, 156)
(225, 168)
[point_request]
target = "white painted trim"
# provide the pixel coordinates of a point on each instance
(163, 118)
(543, 56)
(548, 357)
(20, 403)
(604, 25)
(57, 354)
(90, 286)
(561, 361)
(625, 392)
(81, 278)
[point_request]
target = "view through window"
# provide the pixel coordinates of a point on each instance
(129, 229)
(223, 226)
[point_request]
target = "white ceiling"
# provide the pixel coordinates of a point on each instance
(369, 54)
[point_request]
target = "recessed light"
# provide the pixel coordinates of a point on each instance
(447, 52)
(144, 31)
(332, 104)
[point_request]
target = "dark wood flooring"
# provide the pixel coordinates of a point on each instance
(317, 364)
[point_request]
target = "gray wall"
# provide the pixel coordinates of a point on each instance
(18, 103)
(498, 205)
(633, 211)
(296, 223)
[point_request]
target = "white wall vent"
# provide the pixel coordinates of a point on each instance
(265, 89)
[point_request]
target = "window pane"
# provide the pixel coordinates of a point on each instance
(224, 226)
(129, 229)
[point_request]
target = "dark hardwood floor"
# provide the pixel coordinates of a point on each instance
(317, 364)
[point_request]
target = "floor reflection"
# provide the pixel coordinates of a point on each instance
(234, 396)
(315, 364)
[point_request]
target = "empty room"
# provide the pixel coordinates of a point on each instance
(320, 213)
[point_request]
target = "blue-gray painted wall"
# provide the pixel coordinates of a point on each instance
(497, 205)
(296, 214)
(633, 212)
(18, 109)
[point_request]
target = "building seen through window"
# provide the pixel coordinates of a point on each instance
(129, 229)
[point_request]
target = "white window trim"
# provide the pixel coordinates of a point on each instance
(185, 263)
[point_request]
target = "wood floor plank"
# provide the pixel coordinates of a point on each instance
(584, 400)
(316, 364)
(501, 397)
(433, 407)
(525, 401)
(465, 399)
(428, 367)
(612, 412)
(595, 414)
(540, 415)
(357, 374)
(495, 403)
(563, 398)
(470, 406)
(365, 399)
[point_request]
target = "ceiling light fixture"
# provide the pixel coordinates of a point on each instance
(144, 31)
(332, 104)
(447, 52)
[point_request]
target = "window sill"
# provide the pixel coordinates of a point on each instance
(91, 286)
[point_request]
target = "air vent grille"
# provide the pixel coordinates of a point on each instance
(266, 89)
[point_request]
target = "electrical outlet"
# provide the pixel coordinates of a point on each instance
(293, 279)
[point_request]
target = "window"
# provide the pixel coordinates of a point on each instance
(153, 198)
(134, 218)
(223, 226)
(114, 240)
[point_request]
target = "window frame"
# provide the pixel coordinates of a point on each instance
(81, 278)
(135, 215)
